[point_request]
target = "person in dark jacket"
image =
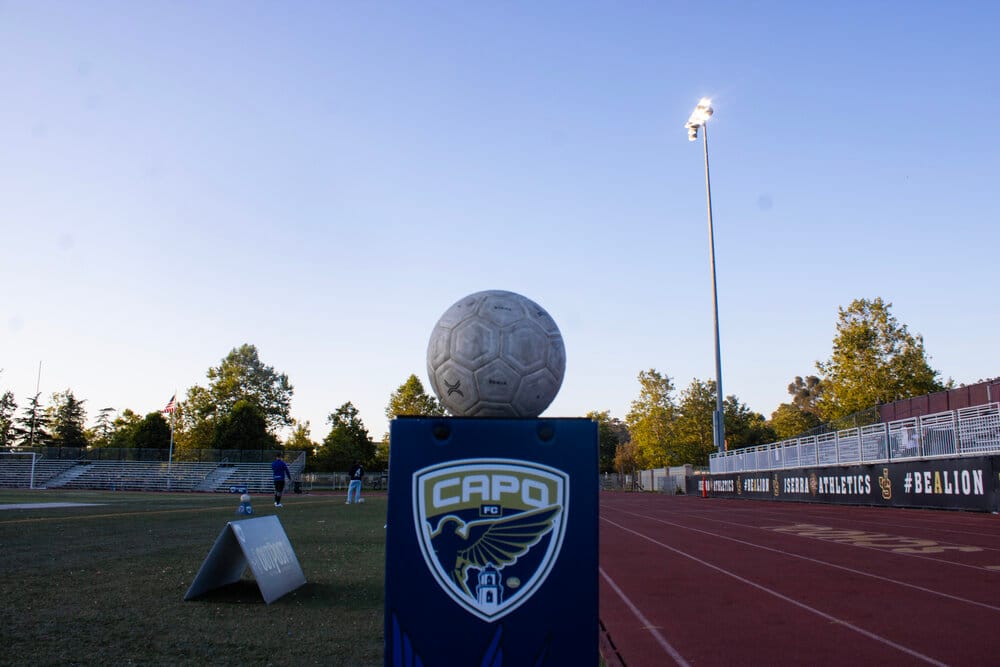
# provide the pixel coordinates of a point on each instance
(280, 472)
(354, 489)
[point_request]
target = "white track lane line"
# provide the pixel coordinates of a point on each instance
(844, 568)
(801, 605)
(678, 658)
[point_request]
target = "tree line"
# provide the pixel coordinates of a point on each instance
(246, 403)
(875, 360)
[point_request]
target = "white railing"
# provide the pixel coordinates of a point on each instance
(964, 432)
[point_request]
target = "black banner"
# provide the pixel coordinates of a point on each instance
(971, 483)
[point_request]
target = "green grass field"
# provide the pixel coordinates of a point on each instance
(105, 585)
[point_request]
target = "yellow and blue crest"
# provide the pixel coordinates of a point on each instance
(490, 530)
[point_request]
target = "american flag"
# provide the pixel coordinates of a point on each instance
(171, 404)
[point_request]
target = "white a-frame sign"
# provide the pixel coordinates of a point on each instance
(260, 543)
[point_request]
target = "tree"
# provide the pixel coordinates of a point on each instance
(693, 439)
(875, 360)
(242, 376)
(152, 432)
(381, 460)
(300, 439)
(744, 427)
(347, 441)
(651, 418)
(790, 420)
(194, 420)
(610, 433)
(68, 421)
(8, 407)
(806, 393)
(123, 429)
(244, 427)
(31, 428)
(411, 399)
(100, 435)
(626, 461)
(408, 399)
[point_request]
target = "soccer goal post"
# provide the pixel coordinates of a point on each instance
(17, 469)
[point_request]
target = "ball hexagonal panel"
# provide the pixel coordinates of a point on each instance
(439, 347)
(524, 346)
(455, 387)
(474, 342)
(460, 310)
(535, 393)
(502, 307)
(497, 382)
(557, 357)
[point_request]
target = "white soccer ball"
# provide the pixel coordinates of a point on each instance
(245, 498)
(496, 354)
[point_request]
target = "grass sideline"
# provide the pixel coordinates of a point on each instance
(104, 585)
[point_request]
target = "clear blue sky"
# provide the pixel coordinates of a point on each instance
(323, 180)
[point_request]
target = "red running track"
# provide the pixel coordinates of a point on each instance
(694, 581)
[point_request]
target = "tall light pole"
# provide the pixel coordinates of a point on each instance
(699, 119)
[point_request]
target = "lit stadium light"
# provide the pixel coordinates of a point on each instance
(698, 119)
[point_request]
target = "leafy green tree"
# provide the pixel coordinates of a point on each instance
(100, 434)
(875, 360)
(693, 440)
(381, 460)
(744, 427)
(194, 420)
(806, 393)
(610, 433)
(650, 420)
(31, 428)
(68, 420)
(411, 399)
(123, 429)
(8, 408)
(300, 439)
(348, 440)
(626, 458)
(241, 376)
(152, 432)
(790, 421)
(244, 427)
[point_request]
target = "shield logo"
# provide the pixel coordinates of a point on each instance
(490, 530)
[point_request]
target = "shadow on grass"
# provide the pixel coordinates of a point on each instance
(244, 591)
(320, 595)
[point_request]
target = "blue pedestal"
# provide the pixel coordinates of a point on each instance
(491, 542)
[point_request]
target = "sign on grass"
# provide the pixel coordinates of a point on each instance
(260, 543)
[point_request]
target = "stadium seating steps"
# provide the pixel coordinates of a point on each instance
(141, 475)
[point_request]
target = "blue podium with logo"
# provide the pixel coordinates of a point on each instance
(491, 542)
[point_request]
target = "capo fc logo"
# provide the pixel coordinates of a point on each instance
(490, 530)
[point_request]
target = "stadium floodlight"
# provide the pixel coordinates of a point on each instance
(699, 119)
(702, 112)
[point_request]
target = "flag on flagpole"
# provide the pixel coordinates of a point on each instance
(171, 404)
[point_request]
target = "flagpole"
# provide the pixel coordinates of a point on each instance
(170, 454)
(34, 407)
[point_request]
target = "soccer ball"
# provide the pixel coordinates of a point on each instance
(496, 354)
(245, 498)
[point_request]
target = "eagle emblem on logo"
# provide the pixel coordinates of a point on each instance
(490, 530)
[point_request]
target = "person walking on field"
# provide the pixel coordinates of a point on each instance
(354, 490)
(280, 472)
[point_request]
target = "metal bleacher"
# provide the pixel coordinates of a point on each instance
(114, 475)
(16, 473)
